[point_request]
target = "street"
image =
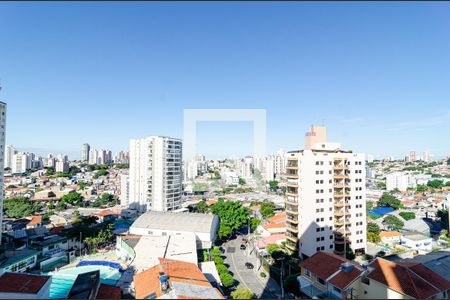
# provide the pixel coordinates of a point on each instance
(250, 278)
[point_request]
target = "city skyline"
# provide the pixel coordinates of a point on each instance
(129, 71)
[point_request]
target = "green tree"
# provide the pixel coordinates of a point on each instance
(369, 205)
(271, 248)
(232, 215)
(50, 171)
(72, 198)
(389, 200)
(254, 223)
(202, 207)
(267, 209)
(242, 292)
(221, 269)
(226, 279)
(242, 181)
(421, 188)
(407, 215)
(393, 223)
(373, 228)
(373, 237)
(101, 172)
(447, 183)
(381, 185)
(273, 185)
(19, 207)
(436, 184)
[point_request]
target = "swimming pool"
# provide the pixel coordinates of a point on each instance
(381, 211)
(62, 280)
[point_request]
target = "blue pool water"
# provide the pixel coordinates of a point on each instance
(381, 211)
(62, 280)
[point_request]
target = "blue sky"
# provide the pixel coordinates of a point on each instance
(377, 74)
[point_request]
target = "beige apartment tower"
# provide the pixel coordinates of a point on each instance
(325, 198)
(315, 135)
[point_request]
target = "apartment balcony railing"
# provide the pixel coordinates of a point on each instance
(292, 220)
(292, 238)
(292, 175)
(292, 228)
(292, 204)
(292, 245)
(289, 194)
(340, 167)
(292, 212)
(291, 167)
(341, 204)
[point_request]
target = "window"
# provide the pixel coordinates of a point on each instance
(320, 280)
(307, 273)
(336, 290)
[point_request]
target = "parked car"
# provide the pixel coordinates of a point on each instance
(242, 247)
(249, 265)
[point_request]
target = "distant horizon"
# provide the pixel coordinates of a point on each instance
(374, 73)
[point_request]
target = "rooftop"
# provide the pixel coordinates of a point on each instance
(22, 283)
(407, 279)
(186, 281)
(191, 222)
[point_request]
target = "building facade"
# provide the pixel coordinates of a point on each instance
(325, 205)
(155, 174)
(85, 152)
(2, 147)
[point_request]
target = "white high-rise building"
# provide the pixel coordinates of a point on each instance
(62, 164)
(245, 167)
(21, 162)
(85, 152)
(400, 181)
(2, 147)
(124, 189)
(269, 168)
(155, 173)
(9, 153)
(280, 162)
(325, 205)
(426, 156)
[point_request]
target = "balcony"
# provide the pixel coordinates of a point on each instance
(292, 194)
(292, 221)
(292, 238)
(294, 176)
(291, 212)
(341, 213)
(341, 204)
(340, 176)
(292, 184)
(291, 245)
(291, 203)
(292, 228)
(292, 168)
(340, 167)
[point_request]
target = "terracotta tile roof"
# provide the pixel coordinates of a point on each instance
(277, 225)
(432, 277)
(22, 283)
(104, 213)
(402, 279)
(108, 292)
(34, 220)
(390, 234)
(147, 282)
(323, 264)
(211, 202)
(343, 279)
(278, 217)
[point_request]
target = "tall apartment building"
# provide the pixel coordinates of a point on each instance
(9, 153)
(400, 181)
(85, 152)
(21, 162)
(325, 205)
(100, 157)
(62, 164)
(155, 174)
(2, 148)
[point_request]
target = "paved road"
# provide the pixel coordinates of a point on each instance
(236, 258)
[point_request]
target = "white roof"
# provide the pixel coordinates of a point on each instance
(188, 222)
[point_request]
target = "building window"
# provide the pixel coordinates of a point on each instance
(320, 280)
(307, 273)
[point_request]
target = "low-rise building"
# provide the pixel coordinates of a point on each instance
(417, 241)
(390, 237)
(24, 286)
(153, 223)
(173, 279)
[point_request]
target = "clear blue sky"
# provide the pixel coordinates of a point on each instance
(377, 73)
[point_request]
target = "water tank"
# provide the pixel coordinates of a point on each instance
(347, 267)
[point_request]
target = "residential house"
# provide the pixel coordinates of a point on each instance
(24, 286)
(173, 279)
(329, 275)
(390, 237)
